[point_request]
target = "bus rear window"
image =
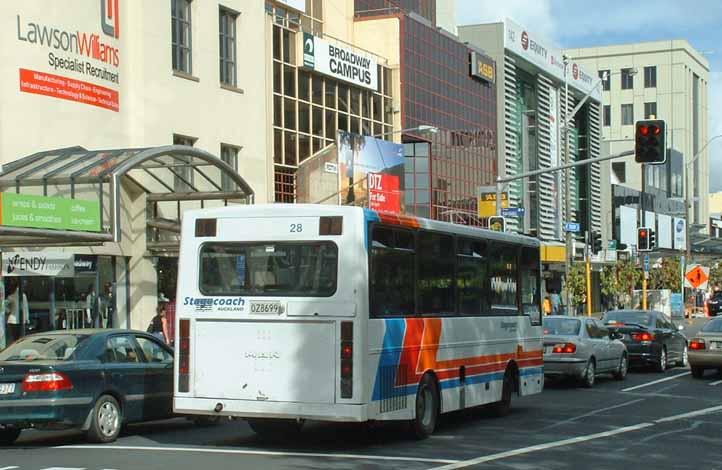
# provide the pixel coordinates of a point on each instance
(279, 269)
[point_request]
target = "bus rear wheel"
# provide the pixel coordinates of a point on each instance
(427, 408)
(275, 428)
(503, 406)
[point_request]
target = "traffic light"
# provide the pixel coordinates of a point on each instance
(596, 242)
(643, 239)
(649, 138)
(497, 223)
(652, 239)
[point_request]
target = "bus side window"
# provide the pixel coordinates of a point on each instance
(392, 272)
(472, 277)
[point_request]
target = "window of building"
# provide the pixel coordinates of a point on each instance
(227, 45)
(627, 79)
(650, 77)
(229, 155)
(620, 171)
(627, 114)
(650, 109)
(607, 116)
(183, 175)
(181, 35)
(605, 83)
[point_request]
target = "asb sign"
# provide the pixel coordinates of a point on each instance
(483, 67)
(23, 210)
(340, 62)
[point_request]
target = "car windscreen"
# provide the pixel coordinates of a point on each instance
(629, 317)
(561, 326)
(713, 326)
(52, 347)
(293, 269)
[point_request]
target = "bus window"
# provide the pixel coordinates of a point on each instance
(530, 284)
(472, 277)
(436, 274)
(300, 269)
(392, 272)
(503, 282)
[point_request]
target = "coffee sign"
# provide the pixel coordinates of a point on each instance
(24, 210)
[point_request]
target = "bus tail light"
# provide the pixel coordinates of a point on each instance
(184, 355)
(346, 359)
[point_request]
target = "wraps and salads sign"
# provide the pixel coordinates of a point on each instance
(341, 62)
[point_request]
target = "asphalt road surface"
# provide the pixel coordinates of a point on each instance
(651, 420)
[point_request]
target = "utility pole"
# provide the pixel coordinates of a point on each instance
(567, 196)
(589, 271)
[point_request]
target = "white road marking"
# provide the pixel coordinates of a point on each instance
(712, 384)
(591, 413)
(549, 445)
(261, 452)
(656, 382)
(64, 468)
(575, 440)
(9, 468)
(691, 414)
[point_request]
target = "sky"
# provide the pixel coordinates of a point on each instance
(573, 23)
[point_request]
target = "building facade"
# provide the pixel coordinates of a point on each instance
(120, 74)
(531, 92)
(669, 80)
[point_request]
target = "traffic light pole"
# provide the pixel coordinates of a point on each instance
(590, 241)
(643, 220)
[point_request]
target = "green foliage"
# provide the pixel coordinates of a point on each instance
(577, 283)
(617, 282)
(715, 275)
(667, 275)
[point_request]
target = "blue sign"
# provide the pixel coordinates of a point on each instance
(646, 263)
(572, 227)
(677, 302)
(513, 212)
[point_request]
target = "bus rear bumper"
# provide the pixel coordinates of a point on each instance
(268, 409)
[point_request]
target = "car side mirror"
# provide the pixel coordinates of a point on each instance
(615, 335)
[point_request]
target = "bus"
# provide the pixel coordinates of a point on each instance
(294, 312)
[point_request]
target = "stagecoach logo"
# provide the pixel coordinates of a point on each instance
(508, 326)
(218, 304)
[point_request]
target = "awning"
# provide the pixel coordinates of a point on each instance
(173, 174)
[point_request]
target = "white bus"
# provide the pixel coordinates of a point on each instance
(339, 313)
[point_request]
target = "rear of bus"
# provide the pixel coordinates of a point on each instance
(267, 304)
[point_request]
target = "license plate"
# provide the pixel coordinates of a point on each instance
(7, 389)
(548, 349)
(266, 307)
(715, 345)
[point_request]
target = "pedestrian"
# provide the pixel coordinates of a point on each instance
(159, 324)
(170, 317)
(556, 302)
(547, 305)
(17, 311)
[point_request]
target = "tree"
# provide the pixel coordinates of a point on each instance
(576, 284)
(715, 275)
(609, 285)
(666, 275)
(617, 282)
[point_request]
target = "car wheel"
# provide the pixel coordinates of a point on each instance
(503, 406)
(621, 372)
(427, 408)
(8, 436)
(590, 374)
(106, 420)
(661, 364)
(684, 359)
(275, 428)
(697, 372)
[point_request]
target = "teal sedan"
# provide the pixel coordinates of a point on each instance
(93, 380)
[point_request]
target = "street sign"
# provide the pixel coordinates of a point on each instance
(697, 277)
(572, 227)
(513, 212)
(646, 263)
(677, 302)
(612, 244)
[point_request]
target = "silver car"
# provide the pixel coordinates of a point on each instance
(582, 348)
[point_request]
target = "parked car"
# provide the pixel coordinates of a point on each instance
(714, 304)
(651, 337)
(94, 380)
(705, 349)
(582, 348)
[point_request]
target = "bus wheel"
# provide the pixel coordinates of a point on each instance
(502, 407)
(427, 408)
(275, 428)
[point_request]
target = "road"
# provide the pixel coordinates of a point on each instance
(655, 420)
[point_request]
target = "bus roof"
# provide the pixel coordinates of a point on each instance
(411, 221)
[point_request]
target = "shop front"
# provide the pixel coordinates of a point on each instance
(89, 239)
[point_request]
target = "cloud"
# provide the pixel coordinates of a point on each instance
(537, 13)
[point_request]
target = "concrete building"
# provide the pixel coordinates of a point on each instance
(668, 79)
(531, 93)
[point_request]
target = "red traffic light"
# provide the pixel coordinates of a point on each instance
(644, 130)
(643, 233)
(650, 146)
(656, 130)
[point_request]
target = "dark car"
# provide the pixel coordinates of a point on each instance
(714, 304)
(94, 380)
(650, 336)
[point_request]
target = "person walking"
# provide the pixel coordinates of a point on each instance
(159, 324)
(556, 302)
(547, 306)
(17, 311)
